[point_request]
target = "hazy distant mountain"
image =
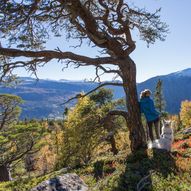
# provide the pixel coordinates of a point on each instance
(43, 98)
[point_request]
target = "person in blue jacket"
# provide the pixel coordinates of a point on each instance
(151, 114)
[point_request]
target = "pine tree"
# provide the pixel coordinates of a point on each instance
(104, 99)
(108, 25)
(16, 138)
(81, 133)
(159, 98)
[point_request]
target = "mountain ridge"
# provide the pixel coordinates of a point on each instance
(44, 98)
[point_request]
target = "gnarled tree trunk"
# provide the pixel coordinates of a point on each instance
(136, 130)
(114, 149)
(4, 173)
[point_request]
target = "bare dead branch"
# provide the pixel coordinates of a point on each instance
(97, 75)
(86, 94)
(31, 65)
(110, 70)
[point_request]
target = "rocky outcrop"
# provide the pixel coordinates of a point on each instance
(66, 182)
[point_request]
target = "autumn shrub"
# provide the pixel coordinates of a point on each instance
(185, 113)
(81, 134)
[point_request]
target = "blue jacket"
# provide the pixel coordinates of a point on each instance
(147, 107)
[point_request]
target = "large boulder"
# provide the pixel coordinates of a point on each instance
(66, 182)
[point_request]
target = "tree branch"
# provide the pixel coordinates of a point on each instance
(122, 113)
(110, 70)
(43, 57)
(31, 65)
(118, 112)
(50, 54)
(95, 32)
(93, 90)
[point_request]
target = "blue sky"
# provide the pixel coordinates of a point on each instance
(172, 55)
